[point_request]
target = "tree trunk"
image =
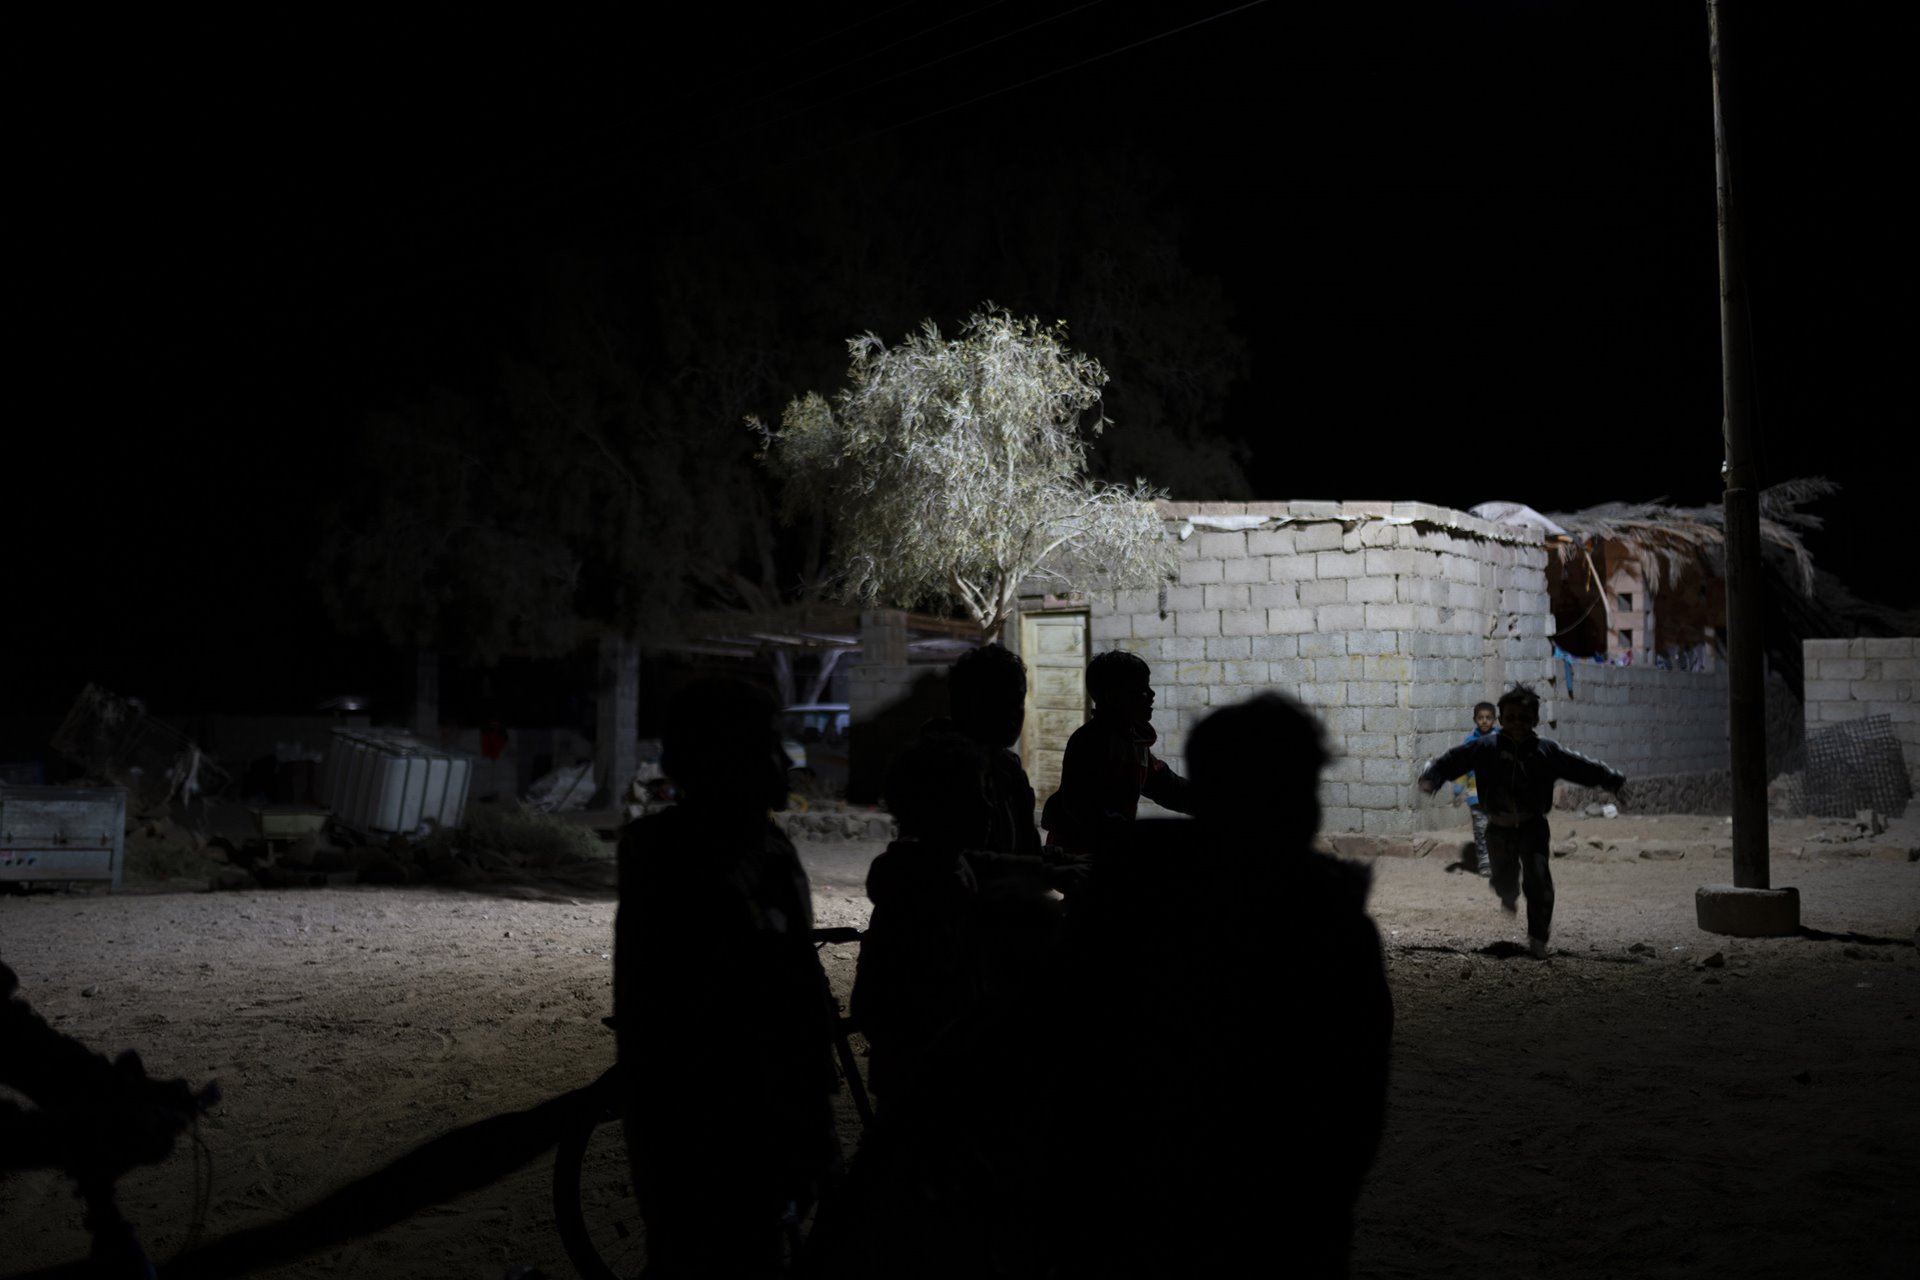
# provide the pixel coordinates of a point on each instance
(616, 747)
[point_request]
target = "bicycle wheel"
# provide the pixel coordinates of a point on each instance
(594, 1205)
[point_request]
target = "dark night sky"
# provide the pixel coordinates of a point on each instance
(1470, 247)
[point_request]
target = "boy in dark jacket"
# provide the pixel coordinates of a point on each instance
(1110, 763)
(1514, 771)
(716, 981)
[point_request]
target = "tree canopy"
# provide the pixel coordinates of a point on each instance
(955, 470)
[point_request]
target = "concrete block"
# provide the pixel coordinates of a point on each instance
(1886, 646)
(1373, 693)
(1391, 667)
(1228, 648)
(1342, 617)
(1107, 626)
(1375, 795)
(1197, 622)
(1180, 598)
(1194, 673)
(1390, 772)
(1243, 622)
(1198, 573)
(1323, 644)
(1248, 569)
(1881, 691)
(1175, 697)
(1388, 564)
(1271, 646)
(1907, 669)
(1837, 711)
(1286, 621)
(1382, 719)
(1338, 666)
(1316, 537)
(1135, 601)
(1295, 568)
(1339, 721)
(1396, 821)
(1290, 672)
(1244, 672)
(1339, 818)
(1337, 564)
(1152, 625)
(1298, 507)
(1183, 648)
(1225, 595)
(1747, 913)
(1390, 617)
(1333, 794)
(1843, 668)
(1270, 542)
(1371, 590)
(1373, 642)
(1223, 546)
(1323, 591)
(1344, 768)
(1316, 694)
(1274, 595)
(1377, 746)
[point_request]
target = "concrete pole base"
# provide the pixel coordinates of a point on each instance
(1747, 913)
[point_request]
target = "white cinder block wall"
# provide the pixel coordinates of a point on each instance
(1853, 679)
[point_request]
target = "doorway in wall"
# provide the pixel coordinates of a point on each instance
(1054, 647)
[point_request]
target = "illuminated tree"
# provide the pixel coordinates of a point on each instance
(955, 469)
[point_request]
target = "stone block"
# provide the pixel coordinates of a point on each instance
(1378, 746)
(1197, 622)
(1136, 601)
(1395, 821)
(1884, 646)
(1339, 721)
(1338, 666)
(1342, 617)
(1390, 617)
(1194, 673)
(1289, 621)
(1881, 691)
(1905, 669)
(1843, 668)
(1107, 626)
(1175, 697)
(1339, 818)
(1747, 913)
(1152, 625)
(1836, 711)
(1379, 769)
(1314, 507)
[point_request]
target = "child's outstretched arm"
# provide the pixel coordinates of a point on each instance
(1584, 770)
(1450, 764)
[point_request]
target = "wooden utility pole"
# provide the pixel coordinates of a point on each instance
(1747, 709)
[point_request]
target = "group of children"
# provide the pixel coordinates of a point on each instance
(1029, 1005)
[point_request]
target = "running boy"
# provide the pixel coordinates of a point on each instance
(1465, 784)
(1109, 761)
(1514, 771)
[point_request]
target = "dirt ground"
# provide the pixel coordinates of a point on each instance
(1651, 1101)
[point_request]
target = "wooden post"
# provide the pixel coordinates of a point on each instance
(616, 747)
(1746, 710)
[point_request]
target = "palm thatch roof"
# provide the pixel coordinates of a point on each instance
(1667, 540)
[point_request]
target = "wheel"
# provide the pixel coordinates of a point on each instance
(594, 1205)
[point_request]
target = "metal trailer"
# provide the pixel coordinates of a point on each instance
(63, 833)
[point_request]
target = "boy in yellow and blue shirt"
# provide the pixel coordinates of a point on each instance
(1483, 714)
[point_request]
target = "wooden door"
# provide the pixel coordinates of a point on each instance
(1054, 647)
